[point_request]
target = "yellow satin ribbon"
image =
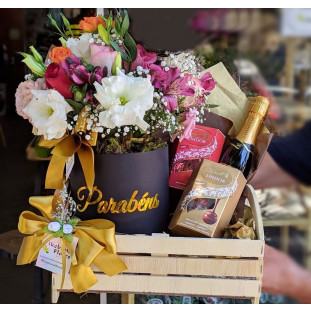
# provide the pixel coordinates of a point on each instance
(64, 148)
(96, 245)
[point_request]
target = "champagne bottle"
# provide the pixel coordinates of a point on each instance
(240, 152)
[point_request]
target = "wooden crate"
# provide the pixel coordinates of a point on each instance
(161, 264)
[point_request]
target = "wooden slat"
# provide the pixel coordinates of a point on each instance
(172, 285)
(189, 246)
(192, 266)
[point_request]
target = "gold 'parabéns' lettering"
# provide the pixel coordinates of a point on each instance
(114, 207)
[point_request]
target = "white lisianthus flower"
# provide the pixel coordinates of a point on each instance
(125, 100)
(80, 47)
(48, 113)
(54, 226)
(67, 229)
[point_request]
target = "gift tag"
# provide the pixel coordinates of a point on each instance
(50, 256)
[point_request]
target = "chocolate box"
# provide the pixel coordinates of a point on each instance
(204, 143)
(209, 200)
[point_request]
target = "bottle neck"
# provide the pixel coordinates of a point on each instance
(250, 129)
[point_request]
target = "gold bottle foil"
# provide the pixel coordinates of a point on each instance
(257, 112)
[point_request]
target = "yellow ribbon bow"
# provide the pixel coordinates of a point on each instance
(96, 245)
(64, 148)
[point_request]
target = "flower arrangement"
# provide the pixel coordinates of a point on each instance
(111, 91)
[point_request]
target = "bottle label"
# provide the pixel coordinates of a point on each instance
(239, 145)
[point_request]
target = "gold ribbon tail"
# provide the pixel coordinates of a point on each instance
(63, 264)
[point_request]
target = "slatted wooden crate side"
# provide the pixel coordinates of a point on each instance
(131, 244)
(193, 286)
(192, 266)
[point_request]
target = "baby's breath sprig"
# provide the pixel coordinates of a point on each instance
(64, 223)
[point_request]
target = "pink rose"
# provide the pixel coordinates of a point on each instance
(23, 94)
(102, 56)
(143, 59)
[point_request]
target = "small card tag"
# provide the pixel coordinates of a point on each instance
(50, 256)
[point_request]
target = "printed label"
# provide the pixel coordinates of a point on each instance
(50, 256)
(216, 175)
(200, 137)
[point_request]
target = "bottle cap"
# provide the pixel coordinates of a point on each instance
(260, 106)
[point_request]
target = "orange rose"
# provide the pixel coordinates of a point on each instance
(59, 54)
(90, 24)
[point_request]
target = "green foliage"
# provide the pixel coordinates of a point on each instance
(41, 152)
(75, 105)
(117, 48)
(130, 46)
(68, 237)
(130, 144)
(54, 23)
(74, 221)
(59, 233)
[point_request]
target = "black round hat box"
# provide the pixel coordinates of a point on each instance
(129, 189)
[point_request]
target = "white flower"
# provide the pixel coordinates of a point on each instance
(125, 100)
(48, 112)
(80, 47)
(54, 226)
(67, 229)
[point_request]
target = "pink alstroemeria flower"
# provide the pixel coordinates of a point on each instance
(70, 61)
(189, 124)
(102, 56)
(172, 85)
(207, 82)
(160, 78)
(143, 59)
(79, 75)
(98, 74)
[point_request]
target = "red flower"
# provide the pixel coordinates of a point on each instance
(56, 78)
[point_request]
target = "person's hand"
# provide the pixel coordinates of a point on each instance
(282, 275)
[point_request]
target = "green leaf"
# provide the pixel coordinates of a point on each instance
(211, 106)
(117, 26)
(103, 34)
(125, 25)
(58, 220)
(74, 221)
(68, 237)
(59, 233)
(46, 230)
(41, 152)
(117, 48)
(66, 23)
(75, 105)
(131, 46)
(90, 67)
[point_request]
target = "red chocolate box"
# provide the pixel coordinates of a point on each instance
(204, 143)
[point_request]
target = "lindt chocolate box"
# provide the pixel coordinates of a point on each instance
(204, 143)
(209, 200)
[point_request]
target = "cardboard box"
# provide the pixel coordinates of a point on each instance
(204, 143)
(209, 201)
